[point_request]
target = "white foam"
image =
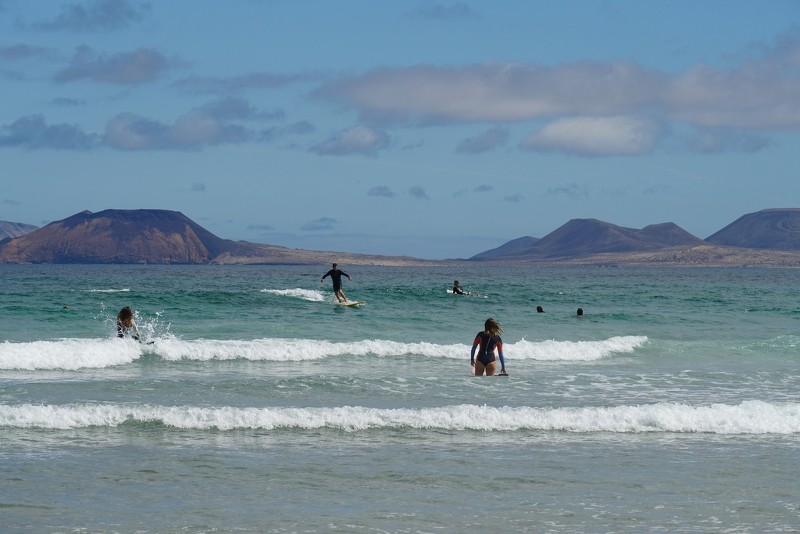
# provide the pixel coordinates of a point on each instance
(312, 295)
(750, 417)
(71, 354)
(552, 350)
(125, 290)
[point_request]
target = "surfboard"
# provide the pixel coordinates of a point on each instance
(351, 303)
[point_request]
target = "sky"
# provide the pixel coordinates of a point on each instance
(425, 128)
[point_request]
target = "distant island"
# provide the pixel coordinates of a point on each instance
(11, 229)
(768, 238)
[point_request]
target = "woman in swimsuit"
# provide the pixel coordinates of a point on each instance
(488, 340)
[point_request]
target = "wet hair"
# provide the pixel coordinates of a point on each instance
(334, 265)
(492, 327)
(539, 309)
(125, 314)
(455, 283)
(580, 311)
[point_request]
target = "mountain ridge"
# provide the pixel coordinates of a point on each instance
(169, 237)
(775, 229)
(155, 236)
(584, 237)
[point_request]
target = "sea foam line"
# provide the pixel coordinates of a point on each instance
(749, 417)
(73, 354)
(68, 354)
(312, 295)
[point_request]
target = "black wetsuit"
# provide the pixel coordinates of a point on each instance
(123, 331)
(336, 275)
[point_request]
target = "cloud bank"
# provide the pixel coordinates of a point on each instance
(589, 108)
(100, 15)
(126, 68)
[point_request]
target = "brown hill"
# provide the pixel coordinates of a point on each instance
(514, 248)
(774, 229)
(117, 236)
(12, 229)
(157, 237)
(586, 237)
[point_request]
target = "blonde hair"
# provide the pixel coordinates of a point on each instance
(492, 327)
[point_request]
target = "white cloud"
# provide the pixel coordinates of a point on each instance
(208, 125)
(761, 93)
(596, 136)
(355, 140)
(495, 91)
(132, 132)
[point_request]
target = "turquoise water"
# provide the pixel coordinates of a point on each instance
(259, 405)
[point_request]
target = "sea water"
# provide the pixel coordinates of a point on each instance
(256, 404)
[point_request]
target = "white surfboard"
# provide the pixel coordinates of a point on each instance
(351, 303)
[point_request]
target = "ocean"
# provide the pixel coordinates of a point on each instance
(256, 404)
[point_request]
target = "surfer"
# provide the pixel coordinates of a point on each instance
(457, 290)
(336, 276)
(488, 340)
(126, 326)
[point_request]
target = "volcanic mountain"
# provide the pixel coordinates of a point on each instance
(585, 237)
(158, 237)
(775, 229)
(117, 236)
(512, 249)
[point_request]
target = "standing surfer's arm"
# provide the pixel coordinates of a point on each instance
(472, 352)
(500, 354)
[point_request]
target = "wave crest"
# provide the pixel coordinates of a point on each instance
(750, 417)
(73, 354)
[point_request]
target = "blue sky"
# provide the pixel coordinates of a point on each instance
(435, 129)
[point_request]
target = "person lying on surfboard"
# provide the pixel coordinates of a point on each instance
(488, 340)
(336, 276)
(457, 289)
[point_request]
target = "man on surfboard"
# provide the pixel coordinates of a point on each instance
(336, 276)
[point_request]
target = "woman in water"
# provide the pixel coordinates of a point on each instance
(126, 326)
(488, 340)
